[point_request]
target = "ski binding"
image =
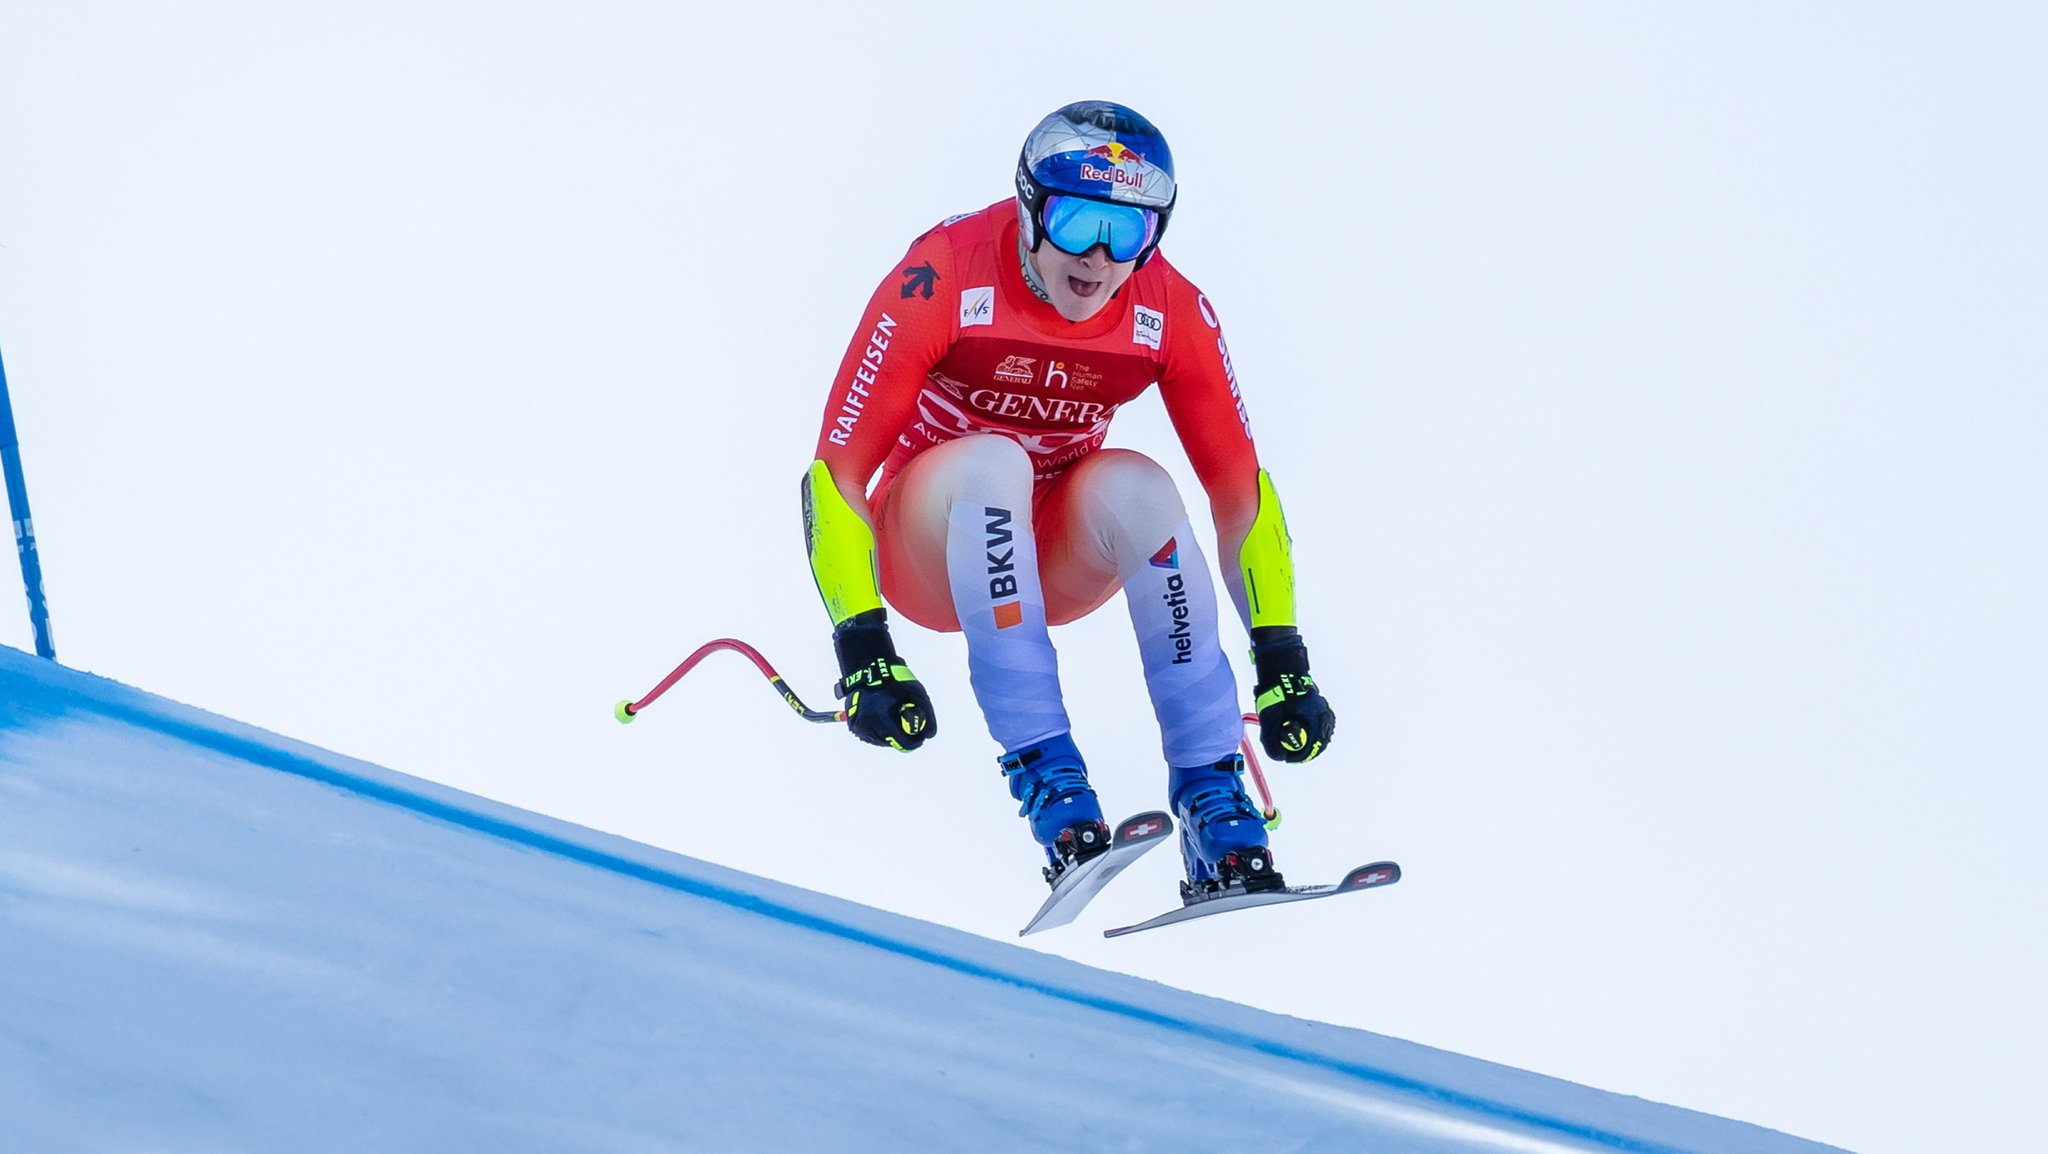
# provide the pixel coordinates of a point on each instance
(1078, 884)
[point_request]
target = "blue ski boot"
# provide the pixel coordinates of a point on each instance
(1051, 781)
(1222, 836)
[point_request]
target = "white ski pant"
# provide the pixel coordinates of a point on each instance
(968, 541)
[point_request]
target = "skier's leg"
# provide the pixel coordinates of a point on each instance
(1116, 520)
(958, 519)
(961, 514)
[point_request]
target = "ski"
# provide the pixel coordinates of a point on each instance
(1079, 884)
(1365, 877)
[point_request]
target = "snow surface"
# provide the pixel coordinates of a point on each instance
(1659, 413)
(213, 938)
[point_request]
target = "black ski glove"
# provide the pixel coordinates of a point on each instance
(885, 703)
(1295, 723)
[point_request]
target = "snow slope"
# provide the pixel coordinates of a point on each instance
(216, 939)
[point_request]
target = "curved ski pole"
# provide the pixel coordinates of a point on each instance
(625, 711)
(1251, 760)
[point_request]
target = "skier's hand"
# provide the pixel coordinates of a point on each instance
(1295, 722)
(885, 703)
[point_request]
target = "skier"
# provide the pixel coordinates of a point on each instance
(981, 383)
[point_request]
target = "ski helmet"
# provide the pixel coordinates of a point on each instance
(1095, 173)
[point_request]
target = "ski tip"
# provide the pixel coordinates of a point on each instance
(1143, 827)
(1379, 873)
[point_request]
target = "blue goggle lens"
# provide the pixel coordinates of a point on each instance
(1075, 224)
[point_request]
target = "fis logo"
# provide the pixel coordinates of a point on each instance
(1002, 568)
(978, 306)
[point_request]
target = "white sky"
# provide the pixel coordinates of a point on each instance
(1656, 390)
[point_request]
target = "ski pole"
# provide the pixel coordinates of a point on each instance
(1251, 761)
(625, 711)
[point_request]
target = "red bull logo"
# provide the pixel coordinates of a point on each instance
(1115, 154)
(1123, 163)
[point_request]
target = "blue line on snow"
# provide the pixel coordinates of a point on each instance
(299, 765)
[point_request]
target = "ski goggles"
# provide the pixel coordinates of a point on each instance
(1075, 224)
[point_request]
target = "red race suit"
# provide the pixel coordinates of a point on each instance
(955, 342)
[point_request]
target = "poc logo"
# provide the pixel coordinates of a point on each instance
(1147, 326)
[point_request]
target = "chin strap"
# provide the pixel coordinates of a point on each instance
(1031, 276)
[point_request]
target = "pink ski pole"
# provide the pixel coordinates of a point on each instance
(625, 711)
(1251, 761)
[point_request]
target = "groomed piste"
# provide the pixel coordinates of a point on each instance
(216, 938)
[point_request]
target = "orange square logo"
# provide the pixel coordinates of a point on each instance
(1009, 613)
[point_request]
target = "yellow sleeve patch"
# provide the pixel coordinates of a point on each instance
(842, 548)
(1267, 560)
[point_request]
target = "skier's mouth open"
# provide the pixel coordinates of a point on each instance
(1083, 288)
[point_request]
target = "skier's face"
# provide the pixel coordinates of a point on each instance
(1080, 285)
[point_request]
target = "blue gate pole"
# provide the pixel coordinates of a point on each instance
(24, 525)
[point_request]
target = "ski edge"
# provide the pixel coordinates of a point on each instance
(1366, 877)
(1133, 837)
